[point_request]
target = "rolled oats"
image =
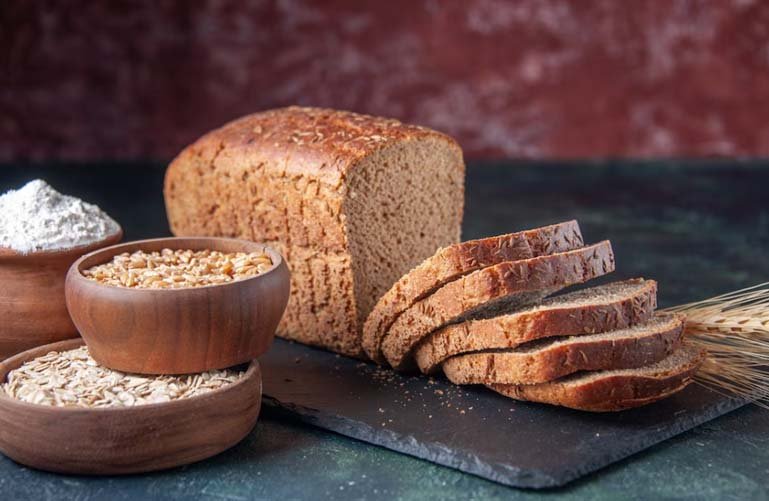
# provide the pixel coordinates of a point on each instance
(74, 379)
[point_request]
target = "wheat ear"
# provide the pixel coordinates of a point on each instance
(734, 328)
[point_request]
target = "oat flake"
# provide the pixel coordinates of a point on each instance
(73, 379)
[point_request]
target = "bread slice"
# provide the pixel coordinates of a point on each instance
(598, 309)
(351, 201)
(491, 291)
(450, 263)
(614, 390)
(549, 359)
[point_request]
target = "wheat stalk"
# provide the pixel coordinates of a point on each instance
(734, 328)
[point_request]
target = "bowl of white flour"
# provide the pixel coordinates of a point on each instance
(42, 232)
(37, 218)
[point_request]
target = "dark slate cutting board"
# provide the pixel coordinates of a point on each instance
(470, 428)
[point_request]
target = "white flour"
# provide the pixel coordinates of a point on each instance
(37, 217)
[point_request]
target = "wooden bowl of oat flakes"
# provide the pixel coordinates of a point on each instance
(178, 305)
(61, 412)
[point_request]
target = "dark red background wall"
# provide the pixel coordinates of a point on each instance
(528, 78)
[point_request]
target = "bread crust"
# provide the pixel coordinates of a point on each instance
(528, 280)
(510, 331)
(452, 262)
(614, 392)
(282, 177)
(314, 149)
(559, 359)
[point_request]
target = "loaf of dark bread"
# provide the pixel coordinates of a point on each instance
(353, 202)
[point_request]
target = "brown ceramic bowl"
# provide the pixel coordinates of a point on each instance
(177, 331)
(120, 440)
(32, 306)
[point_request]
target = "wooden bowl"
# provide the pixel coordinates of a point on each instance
(32, 306)
(178, 331)
(109, 441)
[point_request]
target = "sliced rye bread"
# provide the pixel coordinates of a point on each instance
(614, 390)
(598, 309)
(549, 359)
(450, 263)
(490, 291)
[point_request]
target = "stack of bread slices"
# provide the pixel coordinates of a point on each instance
(484, 312)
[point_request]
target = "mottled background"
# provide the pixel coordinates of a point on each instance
(544, 79)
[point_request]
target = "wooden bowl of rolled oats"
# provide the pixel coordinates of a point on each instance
(178, 305)
(62, 412)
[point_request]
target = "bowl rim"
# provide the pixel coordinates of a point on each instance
(76, 272)
(9, 254)
(252, 371)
